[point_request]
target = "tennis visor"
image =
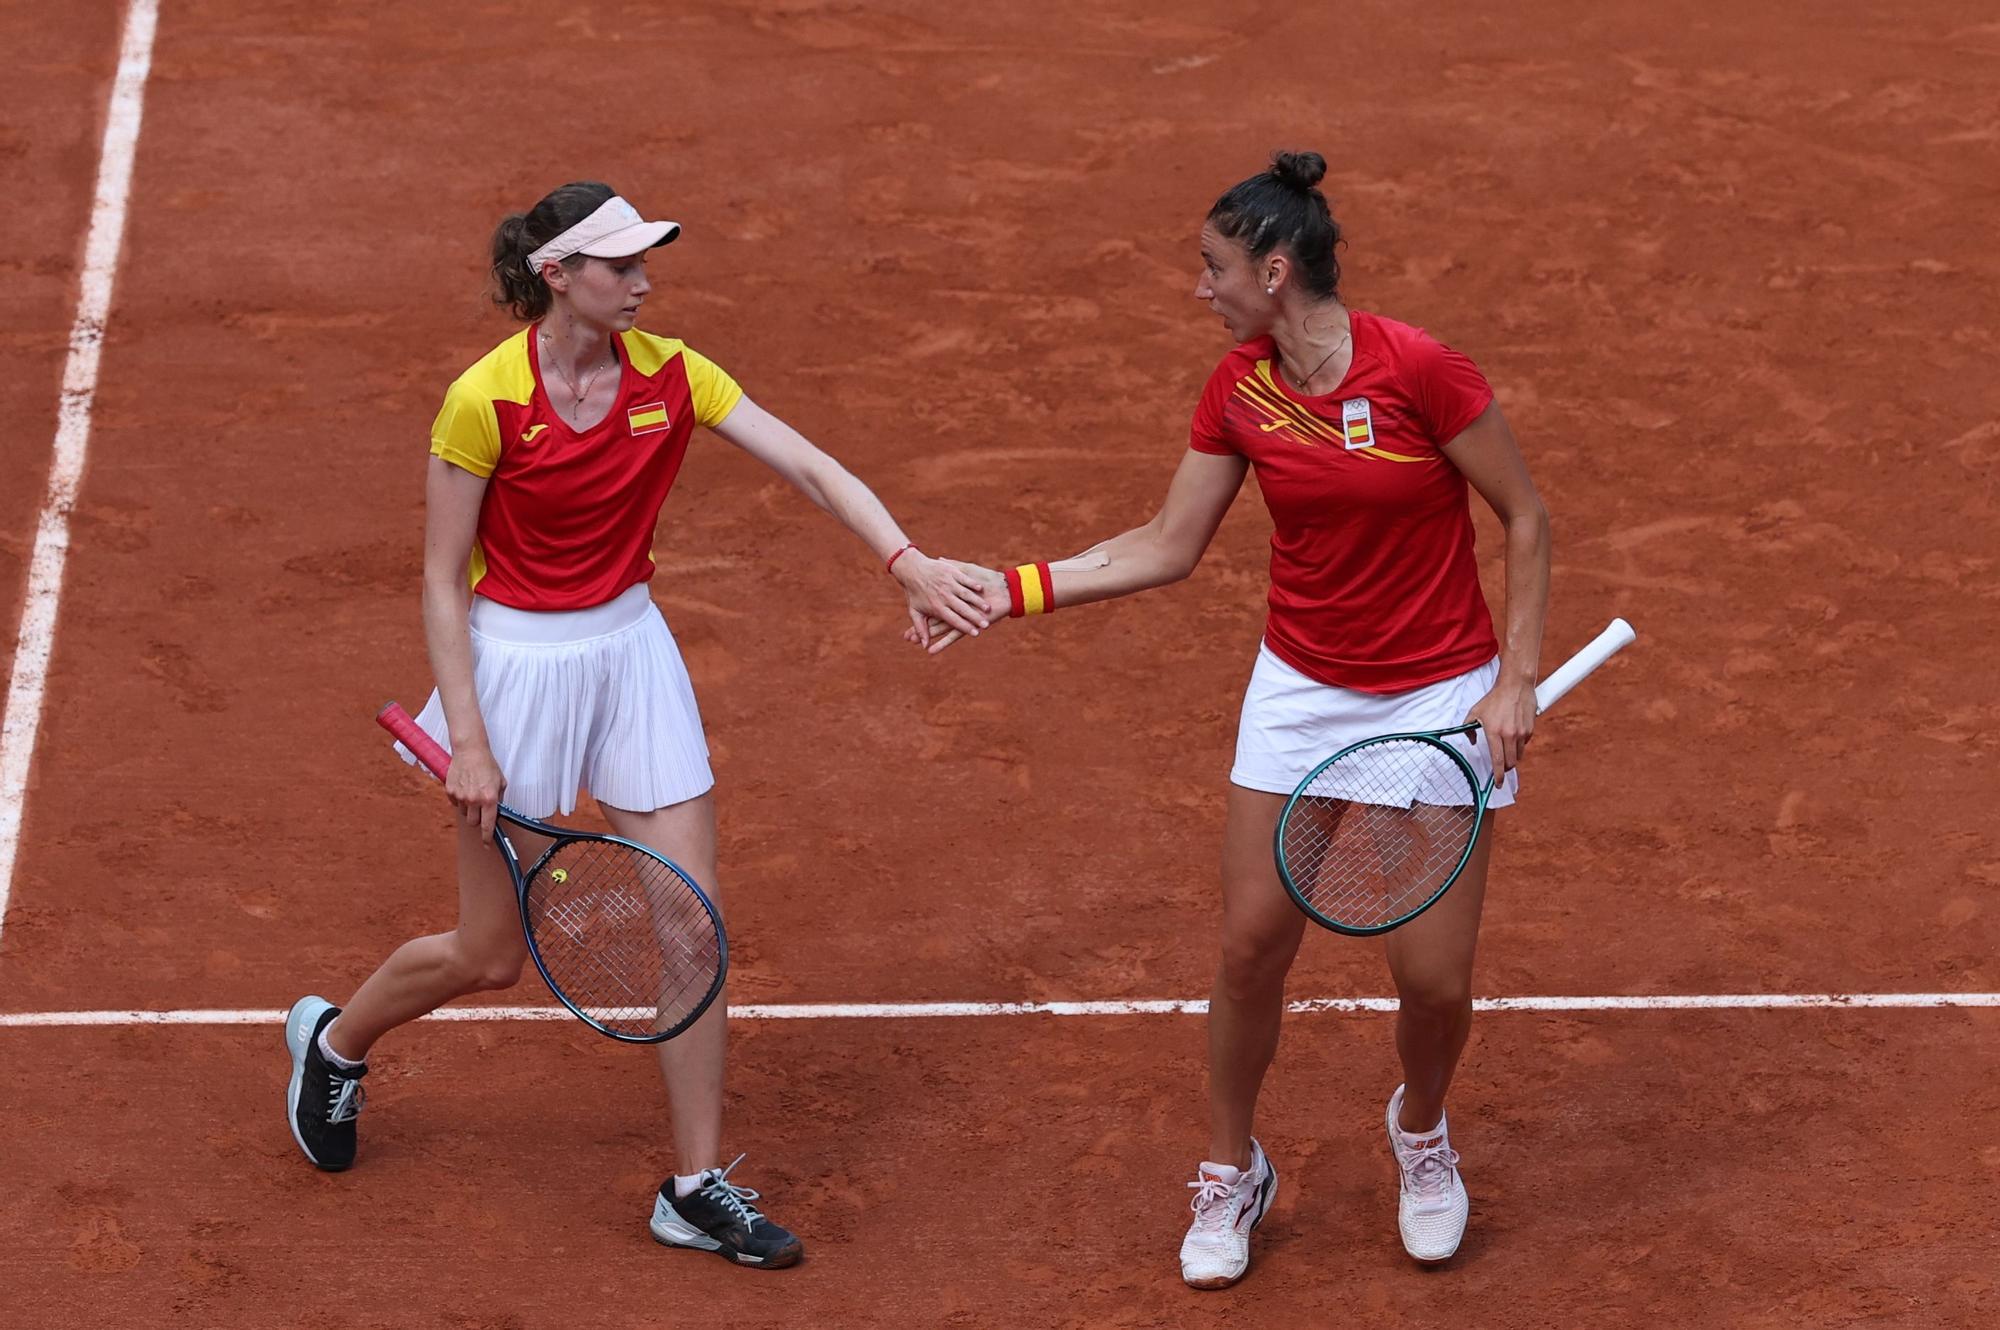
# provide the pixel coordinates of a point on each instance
(614, 231)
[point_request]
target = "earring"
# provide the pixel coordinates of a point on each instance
(1270, 290)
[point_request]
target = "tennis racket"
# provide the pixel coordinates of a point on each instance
(1374, 835)
(621, 935)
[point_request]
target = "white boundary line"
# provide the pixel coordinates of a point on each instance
(822, 1011)
(79, 390)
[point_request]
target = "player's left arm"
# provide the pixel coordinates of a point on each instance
(1486, 454)
(934, 587)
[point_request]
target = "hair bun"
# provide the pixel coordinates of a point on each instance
(1300, 170)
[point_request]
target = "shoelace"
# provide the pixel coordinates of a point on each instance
(1210, 1203)
(733, 1198)
(344, 1098)
(1429, 1169)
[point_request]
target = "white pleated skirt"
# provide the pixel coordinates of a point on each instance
(595, 699)
(1292, 722)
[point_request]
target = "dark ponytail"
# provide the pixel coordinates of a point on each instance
(1283, 206)
(521, 234)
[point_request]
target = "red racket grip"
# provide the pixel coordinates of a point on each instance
(397, 721)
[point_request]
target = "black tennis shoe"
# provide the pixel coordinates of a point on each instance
(322, 1100)
(718, 1216)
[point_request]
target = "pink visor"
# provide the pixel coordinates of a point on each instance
(614, 231)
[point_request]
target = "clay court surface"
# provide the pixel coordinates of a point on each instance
(1733, 275)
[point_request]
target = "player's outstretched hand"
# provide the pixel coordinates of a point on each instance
(935, 634)
(941, 591)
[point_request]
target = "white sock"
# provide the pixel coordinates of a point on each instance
(688, 1184)
(326, 1051)
(1417, 1137)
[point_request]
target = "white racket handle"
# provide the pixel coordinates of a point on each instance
(1579, 667)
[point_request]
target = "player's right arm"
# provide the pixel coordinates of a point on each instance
(452, 497)
(1164, 550)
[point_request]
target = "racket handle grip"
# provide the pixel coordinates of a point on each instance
(397, 721)
(1579, 667)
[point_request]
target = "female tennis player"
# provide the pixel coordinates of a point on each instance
(550, 461)
(1365, 434)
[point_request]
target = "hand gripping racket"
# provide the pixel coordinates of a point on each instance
(621, 935)
(1374, 835)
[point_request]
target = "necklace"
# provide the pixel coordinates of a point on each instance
(1344, 339)
(590, 379)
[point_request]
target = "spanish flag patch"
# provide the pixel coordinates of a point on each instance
(1357, 426)
(648, 419)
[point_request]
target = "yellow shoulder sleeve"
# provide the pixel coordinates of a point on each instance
(466, 432)
(715, 394)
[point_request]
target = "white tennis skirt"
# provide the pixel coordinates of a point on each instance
(1292, 723)
(596, 698)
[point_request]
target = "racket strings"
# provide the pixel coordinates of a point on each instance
(623, 937)
(1379, 831)
(624, 981)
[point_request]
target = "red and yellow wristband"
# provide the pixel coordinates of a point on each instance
(1030, 590)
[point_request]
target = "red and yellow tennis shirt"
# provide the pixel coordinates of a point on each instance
(568, 517)
(1374, 585)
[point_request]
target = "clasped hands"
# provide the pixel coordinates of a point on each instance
(981, 594)
(948, 599)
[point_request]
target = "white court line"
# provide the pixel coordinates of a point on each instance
(79, 390)
(823, 1011)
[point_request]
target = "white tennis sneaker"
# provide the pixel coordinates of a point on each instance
(1432, 1210)
(1228, 1203)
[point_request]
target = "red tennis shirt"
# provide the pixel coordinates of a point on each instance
(568, 517)
(1374, 585)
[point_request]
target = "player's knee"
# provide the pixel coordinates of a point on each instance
(500, 974)
(1441, 997)
(1253, 961)
(503, 971)
(483, 973)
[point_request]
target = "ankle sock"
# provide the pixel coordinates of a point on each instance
(326, 1051)
(688, 1184)
(1419, 1137)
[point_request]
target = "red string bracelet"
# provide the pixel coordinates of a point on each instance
(890, 566)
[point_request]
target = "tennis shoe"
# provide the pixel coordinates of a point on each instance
(323, 1100)
(1433, 1206)
(718, 1216)
(1227, 1203)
